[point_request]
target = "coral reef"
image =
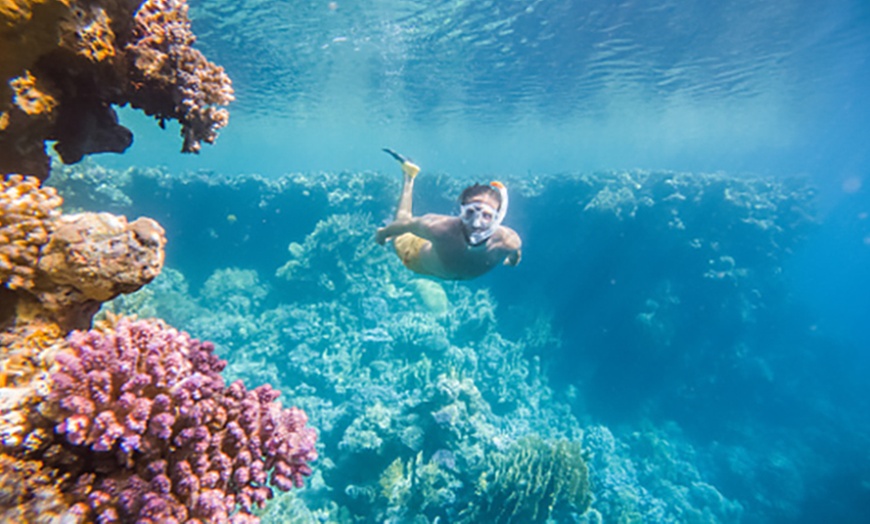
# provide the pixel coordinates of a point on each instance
(130, 421)
(414, 386)
(64, 64)
(172, 80)
(425, 380)
(647, 477)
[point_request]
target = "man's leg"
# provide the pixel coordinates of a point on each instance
(409, 172)
(407, 246)
(404, 211)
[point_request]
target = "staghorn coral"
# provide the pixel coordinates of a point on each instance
(156, 435)
(26, 214)
(64, 64)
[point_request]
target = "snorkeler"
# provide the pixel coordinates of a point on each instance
(448, 247)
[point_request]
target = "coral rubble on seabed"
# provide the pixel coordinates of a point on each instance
(132, 420)
(65, 63)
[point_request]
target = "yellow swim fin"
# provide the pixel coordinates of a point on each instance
(409, 168)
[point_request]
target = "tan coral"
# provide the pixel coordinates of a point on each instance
(102, 255)
(172, 79)
(26, 355)
(85, 29)
(26, 214)
(60, 268)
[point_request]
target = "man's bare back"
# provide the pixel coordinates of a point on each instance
(449, 247)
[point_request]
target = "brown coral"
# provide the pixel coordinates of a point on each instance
(101, 255)
(26, 354)
(171, 79)
(26, 214)
(61, 268)
(94, 257)
(64, 64)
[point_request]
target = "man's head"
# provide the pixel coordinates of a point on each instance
(482, 208)
(481, 192)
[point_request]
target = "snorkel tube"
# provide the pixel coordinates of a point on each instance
(502, 209)
(475, 238)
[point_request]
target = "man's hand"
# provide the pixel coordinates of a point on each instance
(514, 258)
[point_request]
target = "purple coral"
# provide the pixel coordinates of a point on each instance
(184, 447)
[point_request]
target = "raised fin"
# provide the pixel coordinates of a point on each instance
(409, 168)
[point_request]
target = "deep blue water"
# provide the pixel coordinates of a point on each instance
(774, 363)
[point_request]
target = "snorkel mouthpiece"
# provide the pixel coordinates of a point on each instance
(470, 214)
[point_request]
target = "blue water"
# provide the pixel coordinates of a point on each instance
(720, 353)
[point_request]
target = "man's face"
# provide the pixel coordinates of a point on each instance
(478, 213)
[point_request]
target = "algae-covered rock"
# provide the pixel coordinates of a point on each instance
(431, 295)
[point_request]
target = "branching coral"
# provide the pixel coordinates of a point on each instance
(29, 493)
(26, 213)
(154, 433)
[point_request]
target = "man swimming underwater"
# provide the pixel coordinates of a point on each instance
(448, 247)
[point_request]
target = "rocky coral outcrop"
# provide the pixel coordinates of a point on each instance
(60, 268)
(64, 64)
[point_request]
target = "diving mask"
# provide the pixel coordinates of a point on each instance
(481, 220)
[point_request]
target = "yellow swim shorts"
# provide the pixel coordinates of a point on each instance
(408, 248)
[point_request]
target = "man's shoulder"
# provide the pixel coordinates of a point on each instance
(510, 237)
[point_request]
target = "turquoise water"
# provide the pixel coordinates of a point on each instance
(690, 183)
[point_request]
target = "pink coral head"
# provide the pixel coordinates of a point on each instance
(188, 447)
